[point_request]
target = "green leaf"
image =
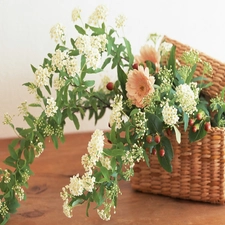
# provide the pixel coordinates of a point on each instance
(12, 152)
(130, 55)
(195, 136)
(190, 77)
(155, 124)
(55, 141)
(186, 119)
(29, 121)
(114, 152)
(89, 83)
(48, 89)
(122, 78)
(96, 30)
(165, 161)
(177, 134)
(34, 105)
(172, 59)
(106, 62)
(104, 172)
(33, 68)
(77, 202)
(39, 92)
(76, 122)
(80, 30)
(10, 161)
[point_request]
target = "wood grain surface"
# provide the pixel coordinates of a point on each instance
(52, 171)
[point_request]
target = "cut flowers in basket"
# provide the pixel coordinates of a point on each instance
(154, 95)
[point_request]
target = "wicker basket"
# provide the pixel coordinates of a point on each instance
(198, 168)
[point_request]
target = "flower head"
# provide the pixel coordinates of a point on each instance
(139, 85)
(120, 20)
(51, 107)
(186, 98)
(98, 15)
(57, 33)
(170, 114)
(76, 14)
(148, 53)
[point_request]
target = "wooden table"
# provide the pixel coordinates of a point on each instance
(52, 171)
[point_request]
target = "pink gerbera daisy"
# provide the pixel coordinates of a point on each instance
(148, 53)
(139, 85)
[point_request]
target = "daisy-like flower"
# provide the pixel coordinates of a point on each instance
(139, 85)
(169, 113)
(148, 53)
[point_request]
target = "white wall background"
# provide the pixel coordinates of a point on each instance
(25, 39)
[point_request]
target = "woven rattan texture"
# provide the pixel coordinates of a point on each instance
(198, 170)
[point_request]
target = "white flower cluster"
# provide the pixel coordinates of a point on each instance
(76, 14)
(19, 192)
(62, 60)
(78, 185)
(3, 209)
(7, 119)
(140, 123)
(58, 83)
(6, 176)
(99, 15)
(23, 108)
(169, 113)
(41, 76)
(91, 47)
(39, 149)
(57, 33)
(116, 114)
(120, 21)
(135, 155)
(95, 146)
(110, 196)
(164, 48)
(187, 98)
(51, 107)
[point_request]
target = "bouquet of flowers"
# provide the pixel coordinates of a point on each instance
(154, 94)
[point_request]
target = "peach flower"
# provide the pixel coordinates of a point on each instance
(148, 53)
(139, 85)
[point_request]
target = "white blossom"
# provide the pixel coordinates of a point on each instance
(76, 185)
(95, 146)
(116, 114)
(57, 32)
(76, 14)
(186, 97)
(41, 76)
(169, 113)
(120, 21)
(51, 107)
(99, 15)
